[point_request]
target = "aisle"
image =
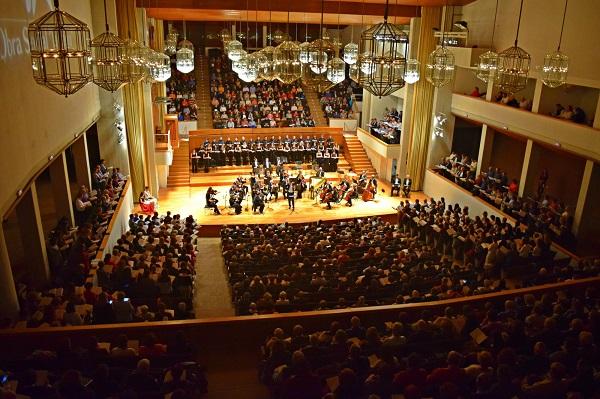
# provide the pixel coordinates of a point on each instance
(212, 294)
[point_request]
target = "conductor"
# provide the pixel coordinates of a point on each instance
(289, 193)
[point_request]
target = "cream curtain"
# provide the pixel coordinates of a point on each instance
(133, 103)
(420, 127)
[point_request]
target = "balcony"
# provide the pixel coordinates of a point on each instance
(579, 139)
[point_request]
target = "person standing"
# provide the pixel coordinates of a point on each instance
(290, 196)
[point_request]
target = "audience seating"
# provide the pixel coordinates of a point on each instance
(544, 214)
(266, 104)
(528, 346)
(149, 275)
(337, 101)
(181, 91)
(436, 252)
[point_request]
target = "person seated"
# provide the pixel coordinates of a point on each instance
(148, 203)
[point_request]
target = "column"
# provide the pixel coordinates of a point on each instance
(583, 193)
(365, 114)
(597, 119)
(61, 189)
(526, 160)
(32, 237)
(537, 96)
(82, 162)
(9, 302)
(420, 127)
(486, 144)
(133, 102)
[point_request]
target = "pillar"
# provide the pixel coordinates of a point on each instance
(133, 103)
(82, 162)
(486, 144)
(583, 193)
(420, 127)
(61, 189)
(526, 161)
(32, 237)
(596, 124)
(537, 96)
(9, 302)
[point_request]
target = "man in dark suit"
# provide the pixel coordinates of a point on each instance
(396, 183)
(320, 172)
(289, 193)
(406, 186)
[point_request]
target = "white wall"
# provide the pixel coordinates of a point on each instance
(540, 30)
(35, 122)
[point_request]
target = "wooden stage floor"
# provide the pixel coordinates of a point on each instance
(191, 201)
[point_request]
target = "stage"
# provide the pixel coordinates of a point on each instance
(191, 201)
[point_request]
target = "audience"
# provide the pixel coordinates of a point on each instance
(266, 104)
(437, 252)
(569, 113)
(544, 214)
(148, 276)
(181, 91)
(388, 129)
(511, 101)
(485, 350)
(337, 102)
(105, 370)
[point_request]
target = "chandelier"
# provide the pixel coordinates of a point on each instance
(488, 61)
(353, 72)
(412, 73)
(161, 69)
(267, 71)
(336, 70)
(249, 68)
(320, 52)
(288, 67)
(278, 36)
(225, 35)
(185, 55)
(133, 66)
(513, 65)
(304, 46)
(556, 64)
(440, 66)
(351, 53)
(108, 51)
(171, 42)
(60, 51)
(316, 81)
(235, 50)
(383, 62)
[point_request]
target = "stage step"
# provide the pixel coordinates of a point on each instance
(179, 173)
(357, 155)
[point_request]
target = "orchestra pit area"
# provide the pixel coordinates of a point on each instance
(300, 200)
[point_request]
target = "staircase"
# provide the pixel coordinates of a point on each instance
(313, 100)
(203, 93)
(179, 171)
(357, 156)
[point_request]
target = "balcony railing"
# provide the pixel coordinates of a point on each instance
(576, 138)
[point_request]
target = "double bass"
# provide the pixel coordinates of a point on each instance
(369, 192)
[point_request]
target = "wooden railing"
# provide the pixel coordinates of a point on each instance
(115, 226)
(248, 332)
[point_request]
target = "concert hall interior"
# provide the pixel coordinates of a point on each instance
(318, 199)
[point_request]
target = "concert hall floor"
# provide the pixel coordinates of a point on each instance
(191, 200)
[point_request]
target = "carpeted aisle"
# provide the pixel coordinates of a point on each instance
(212, 293)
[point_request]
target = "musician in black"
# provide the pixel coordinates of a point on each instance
(396, 183)
(320, 172)
(206, 160)
(406, 186)
(300, 184)
(373, 182)
(211, 200)
(290, 194)
(195, 155)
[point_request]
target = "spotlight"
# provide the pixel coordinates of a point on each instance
(117, 107)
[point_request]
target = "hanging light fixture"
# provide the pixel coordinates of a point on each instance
(108, 51)
(336, 67)
(488, 61)
(248, 70)
(258, 56)
(279, 36)
(133, 69)
(234, 48)
(412, 73)
(286, 58)
(171, 41)
(351, 50)
(439, 70)
(320, 50)
(185, 54)
(267, 69)
(60, 51)
(556, 64)
(225, 35)
(162, 67)
(305, 45)
(513, 65)
(384, 50)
